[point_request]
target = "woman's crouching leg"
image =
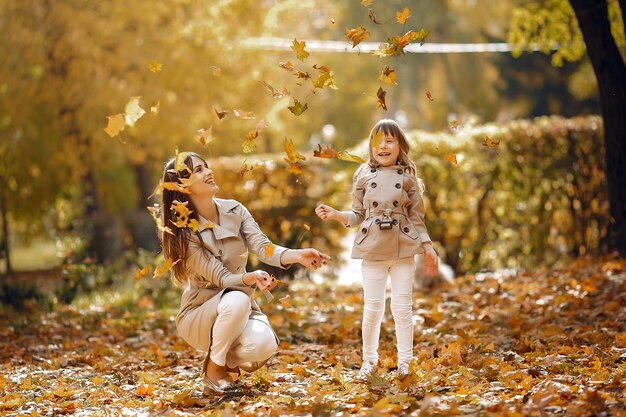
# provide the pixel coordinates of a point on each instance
(255, 346)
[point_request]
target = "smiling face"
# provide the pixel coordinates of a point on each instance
(387, 152)
(201, 180)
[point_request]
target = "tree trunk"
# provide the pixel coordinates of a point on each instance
(142, 226)
(610, 71)
(4, 243)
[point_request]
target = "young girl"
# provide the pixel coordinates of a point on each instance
(388, 209)
(218, 313)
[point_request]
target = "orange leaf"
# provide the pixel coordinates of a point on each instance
(269, 250)
(217, 71)
(164, 267)
(293, 156)
(357, 35)
(155, 66)
(204, 137)
(372, 16)
(401, 17)
(220, 114)
(115, 124)
(454, 123)
(428, 95)
(298, 47)
(388, 75)
(286, 65)
(381, 98)
(375, 139)
(450, 158)
(325, 152)
(143, 272)
(490, 142)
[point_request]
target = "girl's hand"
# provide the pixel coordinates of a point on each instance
(263, 280)
(431, 261)
(325, 212)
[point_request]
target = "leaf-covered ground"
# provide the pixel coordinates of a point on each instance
(550, 342)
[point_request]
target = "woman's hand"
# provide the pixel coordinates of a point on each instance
(263, 280)
(309, 258)
(431, 261)
(325, 212)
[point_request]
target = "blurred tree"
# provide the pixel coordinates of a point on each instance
(600, 23)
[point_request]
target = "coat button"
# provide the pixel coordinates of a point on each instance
(373, 170)
(395, 203)
(375, 203)
(406, 230)
(398, 185)
(377, 221)
(373, 185)
(221, 252)
(364, 230)
(400, 171)
(395, 221)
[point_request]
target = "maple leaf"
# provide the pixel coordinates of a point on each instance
(357, 35)
(293, 156)
(324, 79)
(380, 94)
(179, 161)
(161, 269)
(174, 186)
(217, 71)
(286, 65)
(366, 2)
(388, 75)
(303, 75)
(115, 124)
(454, 123)
(246, 115)
(450, 157)
(269, 250)
(401, 17)
(220, 114)
(204, 137)
(345, 156)
(275, 93)
(372, 16)
(155, 66)
(143, 272)
(298, 47)
(154, 212)
(375, 139)
(429, 96)
(133, 111)
(421, 36)
(298, 108)
(156, 107)
(490, 142)
(325, 152)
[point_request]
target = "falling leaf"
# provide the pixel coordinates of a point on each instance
(396, 45)
(275, 93)
(298, 108)
(332, 21)
(250, 143)
(345, 156)
(143, 272)
(303, 75)
(324, 79)
(269, 250)
(217, 71)
(295, 168)
(450, 157)
(372, 16)
(179, 161)
(161, 269)
(454, 123)
(490, 142)
(298, 47)
(154, 212)
(115, 124)
(357, 35)
(375, 139)
(246, 115)
(380, 94)
(293, 156)
(325, 152)
(133, 111)
(428, 95)
(286, 65)
(174, 186)
(156, 107)
(220, 114)
(204, 137)
(401, 17)
(155, 66)
(182, 215)
(388, 75)
(366, 2)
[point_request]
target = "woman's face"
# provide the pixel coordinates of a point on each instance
(388, 151)
(201, 180)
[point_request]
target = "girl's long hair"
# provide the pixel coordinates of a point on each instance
(176, 245)
(391, 127)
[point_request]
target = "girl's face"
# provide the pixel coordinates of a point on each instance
(388, 151)
(201, 180)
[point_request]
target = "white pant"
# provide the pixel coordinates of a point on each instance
(375, 275)
(239, 340)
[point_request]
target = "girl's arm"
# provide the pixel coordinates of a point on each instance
(416, 215)
(348, 218)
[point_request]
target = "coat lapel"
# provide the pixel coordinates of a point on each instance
(230, 222)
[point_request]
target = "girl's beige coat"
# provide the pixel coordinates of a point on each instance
(217, 264)
(391, 198)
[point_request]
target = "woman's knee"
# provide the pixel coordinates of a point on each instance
(234, 302)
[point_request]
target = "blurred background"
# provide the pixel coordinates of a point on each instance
(509, 144)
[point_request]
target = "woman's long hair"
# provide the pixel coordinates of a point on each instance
(176, 244)
(391, 127)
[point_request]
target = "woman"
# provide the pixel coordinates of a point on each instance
(218, 313)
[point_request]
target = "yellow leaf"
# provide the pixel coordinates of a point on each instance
(164, 267)
(143, 272)
(388, 75)
(298, 108)
(286, 65)
(298, 47)
(269, 250)
(155, 109)
(155, 66)
(454, 123)
(345, 156)
(402, 16)
(490, 142)
(357, 35)
(179, 161)
(174, 186)
(133, 111)
(325, 79)
(115, 124)
(375, 139)
(293, 156)
(366, 2)
(204, 137)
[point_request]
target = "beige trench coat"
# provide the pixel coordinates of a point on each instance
(220, 267)
(387, 206)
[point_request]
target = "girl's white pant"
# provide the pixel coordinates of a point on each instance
(375, 273)
(239, 340)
